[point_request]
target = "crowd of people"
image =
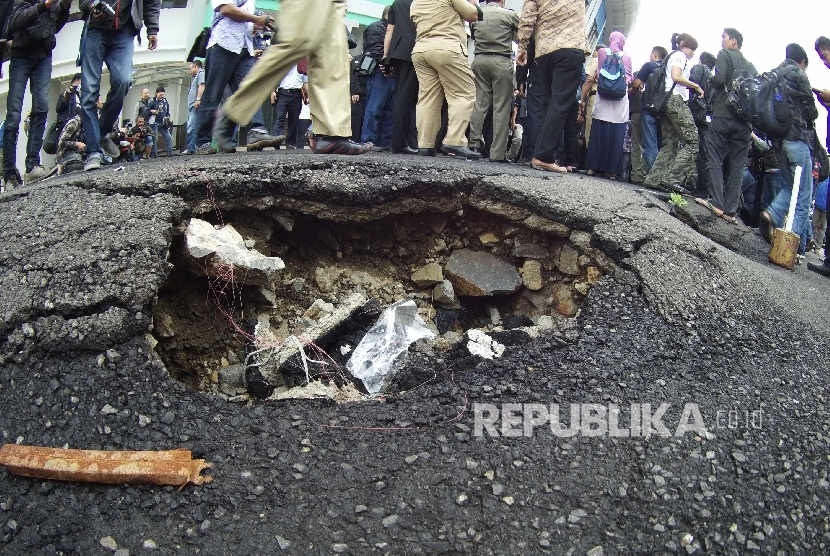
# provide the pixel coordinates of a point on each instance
(533, 94)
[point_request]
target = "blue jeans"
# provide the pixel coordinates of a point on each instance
(115, 49)
(168, 139)
(380, 103)
(222, 68)
(192, 122)
(39, 74)
(792, 154)
(651, 137)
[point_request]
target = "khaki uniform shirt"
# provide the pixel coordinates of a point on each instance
(496, 32)
(558, 24)
(591, 69)
(440, 24)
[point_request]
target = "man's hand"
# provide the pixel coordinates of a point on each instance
(152, 42)
(257, 53)
(48, 3)
(823, 94)
(273, 97)
(265, 21)
(197, 103)
(521, 58)
(521, 91)
(355, 99)
(81, 146)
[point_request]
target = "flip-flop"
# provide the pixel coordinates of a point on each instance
(708, 204)
(730, 219)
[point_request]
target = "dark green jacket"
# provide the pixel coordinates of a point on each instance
(729, 63)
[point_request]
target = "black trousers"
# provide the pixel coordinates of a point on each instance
(727, 144)
(289, 106)
(560, 73)
(403, 117)
(358, 109)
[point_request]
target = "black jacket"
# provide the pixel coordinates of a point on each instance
(33, 28)
(141, 12)
(802, 102)
(357, 83)
(373, 39)
(68, 106)
(403, 35)
(729, 63)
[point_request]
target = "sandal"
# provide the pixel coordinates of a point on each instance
(729, 218)
(715, 210)
(548, 167)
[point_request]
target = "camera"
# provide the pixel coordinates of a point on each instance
(102, 7)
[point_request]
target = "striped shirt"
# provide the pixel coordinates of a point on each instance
(233, 35)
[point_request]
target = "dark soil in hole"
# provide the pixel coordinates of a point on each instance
(328, 261)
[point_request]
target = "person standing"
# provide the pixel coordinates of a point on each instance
(142, 104)
(69, 102)
(288, 98)
(605, 146)
(34, 24)
(823, 49)
(323, 41)
(109, 39)
(160, 121)
(701, 109)
(194, 100)
(440, 60)
(493, 70)
(729, 138)
(560, 54)
(794, 150)
(380, 89)
(674, 166)
(397, 55)
(229, 59)
(530, 109)
(646, 128)
(591, 92)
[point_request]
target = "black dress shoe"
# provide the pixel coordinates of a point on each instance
(426, 152)
(820, 268)
(453, 150)
(405, 150)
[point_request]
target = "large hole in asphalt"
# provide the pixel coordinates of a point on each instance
(483, 265)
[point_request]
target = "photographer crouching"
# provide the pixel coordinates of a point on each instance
(108, 38)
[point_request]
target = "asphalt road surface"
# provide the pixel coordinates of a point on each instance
(736, 347)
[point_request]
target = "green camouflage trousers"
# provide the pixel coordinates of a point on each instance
(675, 165)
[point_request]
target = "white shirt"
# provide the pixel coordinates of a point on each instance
(292, 80)
(233, 35)
(678, 59)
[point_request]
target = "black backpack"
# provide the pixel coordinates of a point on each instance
(763, 101)
(655, 95)
(700, 108)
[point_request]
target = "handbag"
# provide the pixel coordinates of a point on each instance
(366, 65)
(53, 135)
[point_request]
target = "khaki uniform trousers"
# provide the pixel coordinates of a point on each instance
(494, 87)
(307, 28)
(443, 73)
(589, 118)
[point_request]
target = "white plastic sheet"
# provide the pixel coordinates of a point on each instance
(374, 358)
